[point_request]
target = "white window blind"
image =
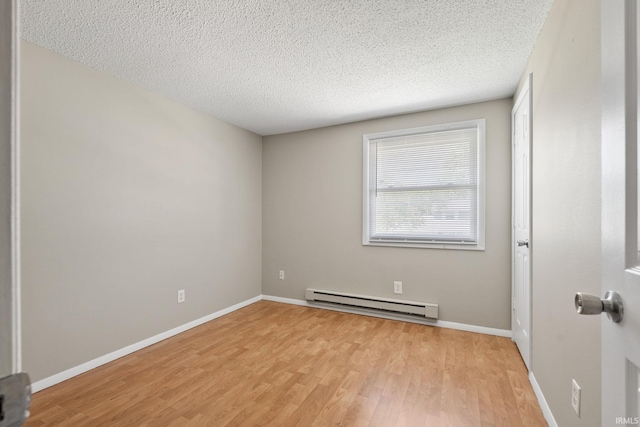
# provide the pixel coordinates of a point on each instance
(424, 185)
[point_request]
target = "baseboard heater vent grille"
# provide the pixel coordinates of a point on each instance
(421, 309)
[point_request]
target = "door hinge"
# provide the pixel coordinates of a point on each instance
(513, 304)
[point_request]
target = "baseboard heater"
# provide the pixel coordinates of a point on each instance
(414, 308)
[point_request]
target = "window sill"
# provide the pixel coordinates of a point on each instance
(448, 246)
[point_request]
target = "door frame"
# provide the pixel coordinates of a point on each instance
(10, 186)
(15, 195)
(526, 88)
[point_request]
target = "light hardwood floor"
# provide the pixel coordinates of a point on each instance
(278, 364)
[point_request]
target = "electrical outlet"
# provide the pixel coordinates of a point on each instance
(181, 296)
(397, 287)
(575, 396)
(281, 276)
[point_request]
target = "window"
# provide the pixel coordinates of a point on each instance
(424, 187)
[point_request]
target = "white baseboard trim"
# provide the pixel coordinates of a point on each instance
(287, 300)
(440, 323)
(546, 411)
(80, 369)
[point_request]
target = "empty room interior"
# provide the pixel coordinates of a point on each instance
(309, 212)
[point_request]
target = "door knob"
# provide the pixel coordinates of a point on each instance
(591, 304)
(523, 243)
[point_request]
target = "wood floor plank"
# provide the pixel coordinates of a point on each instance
(278, 364)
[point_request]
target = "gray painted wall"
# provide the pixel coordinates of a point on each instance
(127, 197)
(312, 222)
(566, 207)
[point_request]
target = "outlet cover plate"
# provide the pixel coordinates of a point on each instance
(575, 396)
(397, 287)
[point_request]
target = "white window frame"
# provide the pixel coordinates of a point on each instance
(366, 144)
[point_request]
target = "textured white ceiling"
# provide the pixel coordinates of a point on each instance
(284, 65)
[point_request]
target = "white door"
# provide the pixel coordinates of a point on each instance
(521, 219)
(620, 231)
